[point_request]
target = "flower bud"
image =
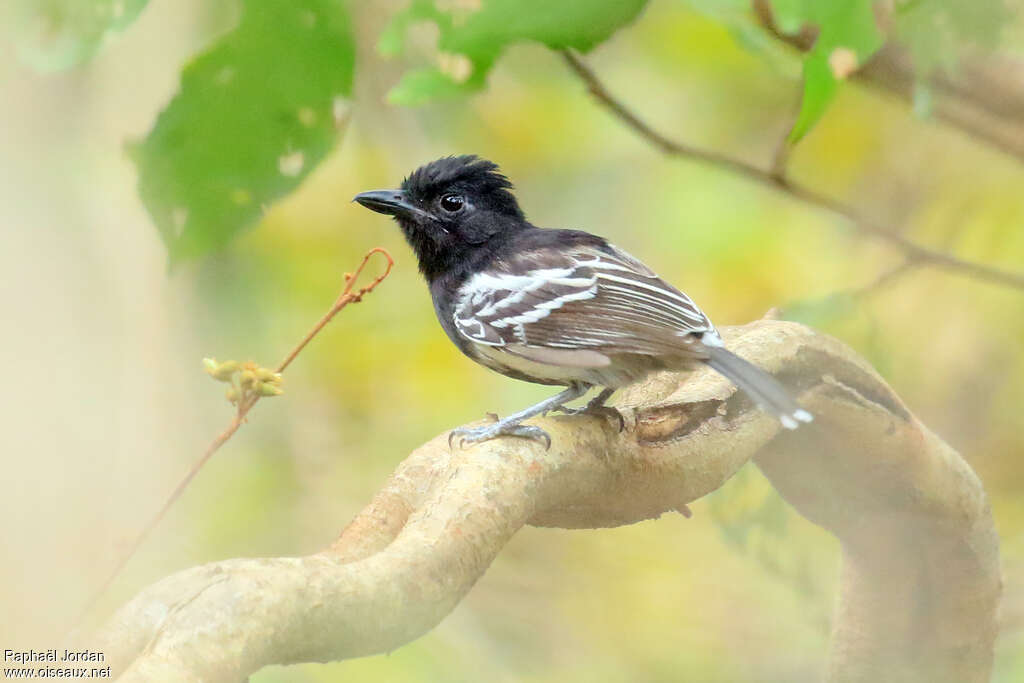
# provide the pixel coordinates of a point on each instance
(268, 389)
(223, 371)
(247, 378)
(264, 375)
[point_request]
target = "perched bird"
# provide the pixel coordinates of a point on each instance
(558, 307)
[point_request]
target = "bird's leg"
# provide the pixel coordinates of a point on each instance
(510, 426)
(596, 406)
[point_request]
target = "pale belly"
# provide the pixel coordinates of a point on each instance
(588, 369)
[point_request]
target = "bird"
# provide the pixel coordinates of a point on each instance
(551, 306)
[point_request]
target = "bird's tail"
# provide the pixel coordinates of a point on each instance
(759, 385)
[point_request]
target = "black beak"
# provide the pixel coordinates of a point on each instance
(391, 202)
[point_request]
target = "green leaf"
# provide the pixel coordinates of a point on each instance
(254, 115)
(848, 36)
(419, 86)
(820, 87)
(474, 33)
(58, 34)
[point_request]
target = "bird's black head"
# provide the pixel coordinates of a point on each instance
(449, 209)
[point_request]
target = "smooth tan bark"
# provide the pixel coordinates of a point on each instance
(920, 581)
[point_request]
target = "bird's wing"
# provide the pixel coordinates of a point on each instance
(583, 298)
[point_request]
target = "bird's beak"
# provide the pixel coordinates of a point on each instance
(391, 202)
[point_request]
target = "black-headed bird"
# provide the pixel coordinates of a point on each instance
(558, 307)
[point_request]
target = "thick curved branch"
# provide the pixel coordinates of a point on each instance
(920, 577)
(778, 181)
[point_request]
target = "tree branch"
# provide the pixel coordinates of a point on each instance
(777, 180)
(984, 99)
(920, 576)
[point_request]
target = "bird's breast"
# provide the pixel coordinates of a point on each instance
(542, 366)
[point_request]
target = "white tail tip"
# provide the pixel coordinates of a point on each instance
(790, 421)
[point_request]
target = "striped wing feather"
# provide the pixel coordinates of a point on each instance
(585, 298)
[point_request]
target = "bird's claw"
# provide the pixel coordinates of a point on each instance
(568, 411)
(472, 435)
(599, 411)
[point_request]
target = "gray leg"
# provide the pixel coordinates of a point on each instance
(596, 406)
(598, 401)
(510, 425)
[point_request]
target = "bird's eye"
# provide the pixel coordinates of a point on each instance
(452, 203)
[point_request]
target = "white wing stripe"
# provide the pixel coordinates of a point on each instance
(654, 303)
(483, 286)
(643, 320)
(658, 303)
(543, 309)
(682, 298)
(498, 308)
(606, 265)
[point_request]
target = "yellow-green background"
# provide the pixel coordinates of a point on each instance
(105, 405)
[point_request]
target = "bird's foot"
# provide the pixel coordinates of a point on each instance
(597, 410)
(471, 435)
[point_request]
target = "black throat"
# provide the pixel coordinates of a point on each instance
(443, 253)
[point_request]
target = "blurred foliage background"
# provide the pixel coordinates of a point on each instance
(105, 404)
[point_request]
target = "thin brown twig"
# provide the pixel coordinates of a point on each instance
(346, 297)
(884, 279)
(781, 183)
(784, 147)
(780, 160)
(982, 97)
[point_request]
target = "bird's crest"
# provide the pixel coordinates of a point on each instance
(467, 171)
